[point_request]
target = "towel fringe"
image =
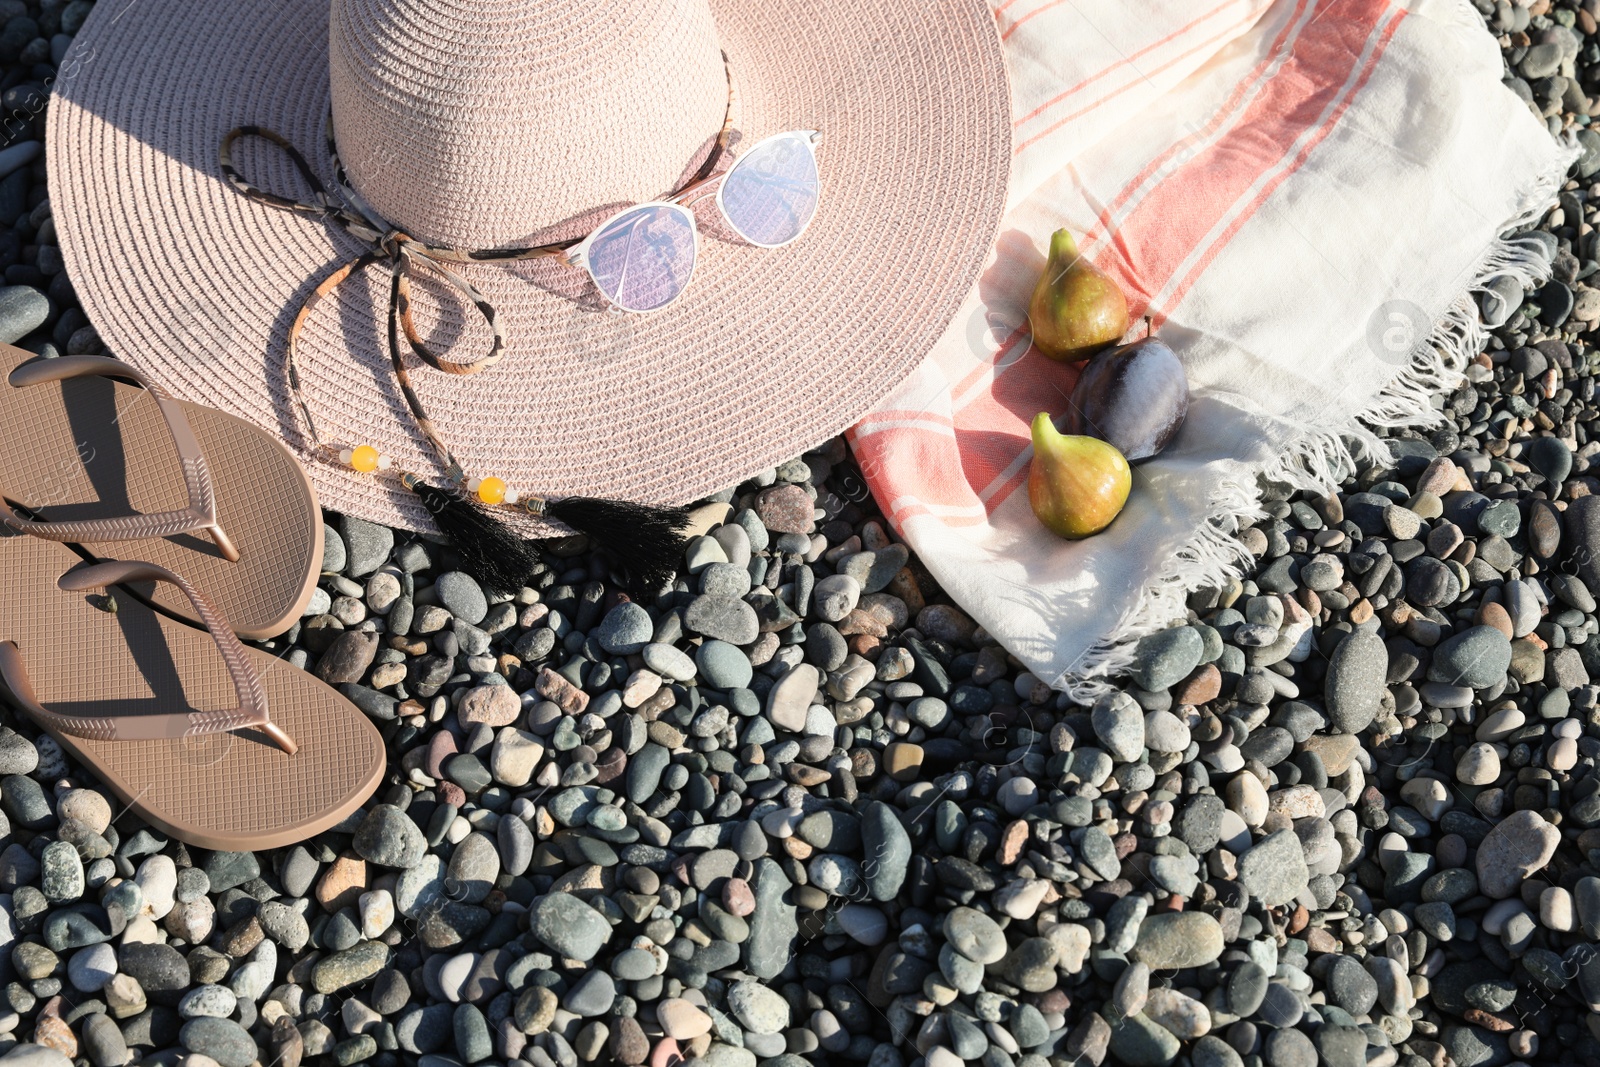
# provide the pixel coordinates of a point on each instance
(1329, 453)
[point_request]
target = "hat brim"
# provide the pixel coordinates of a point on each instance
(769, 353)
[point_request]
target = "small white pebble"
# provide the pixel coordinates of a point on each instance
(377, 912)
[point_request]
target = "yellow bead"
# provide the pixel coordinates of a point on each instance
(491, 490)
(364, 458)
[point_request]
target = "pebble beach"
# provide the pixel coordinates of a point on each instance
(799, 809)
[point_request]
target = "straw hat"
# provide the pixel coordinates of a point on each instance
(481, 124)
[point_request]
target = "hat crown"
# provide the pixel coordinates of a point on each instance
(482, 123)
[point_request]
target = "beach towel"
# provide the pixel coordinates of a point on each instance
(1303, 197)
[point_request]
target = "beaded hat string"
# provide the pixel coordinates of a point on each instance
(645, 540)
(403, 254)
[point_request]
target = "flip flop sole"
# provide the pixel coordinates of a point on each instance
(233, 791)
(91, 448)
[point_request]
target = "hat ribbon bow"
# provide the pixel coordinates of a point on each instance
(386, 244)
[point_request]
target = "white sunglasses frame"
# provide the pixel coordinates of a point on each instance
(578, 256)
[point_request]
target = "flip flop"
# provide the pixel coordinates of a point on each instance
(108, 465)
(237, 751)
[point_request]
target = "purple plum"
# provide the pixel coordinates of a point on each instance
(1134, 397)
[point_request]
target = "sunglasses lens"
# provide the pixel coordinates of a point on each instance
(771, 194)
(642, 259)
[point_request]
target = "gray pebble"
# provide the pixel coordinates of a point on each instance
(626, 629)
(462, 596)
(367, 544)
(1163, 659)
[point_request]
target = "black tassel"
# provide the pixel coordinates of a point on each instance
(499, 559)
(646, 542)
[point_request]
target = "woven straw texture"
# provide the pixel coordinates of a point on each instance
(431, 105)
(234, 791)
(767, 354)
(93, 448)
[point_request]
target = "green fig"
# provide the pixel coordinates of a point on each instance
(1076, 309)
(1076, 485)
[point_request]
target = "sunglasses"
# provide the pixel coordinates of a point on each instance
(643, 257)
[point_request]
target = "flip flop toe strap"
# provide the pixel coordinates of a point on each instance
(250, 713)
(201, 512)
